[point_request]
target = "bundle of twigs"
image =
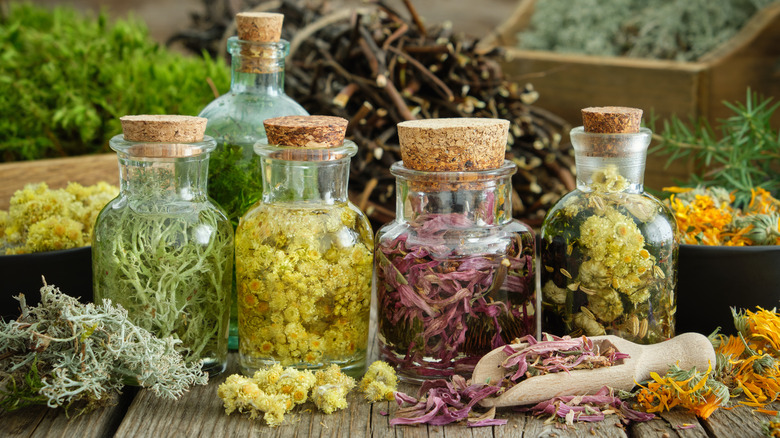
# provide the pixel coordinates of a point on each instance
(377, 66)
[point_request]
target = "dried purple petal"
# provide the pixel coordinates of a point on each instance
(686, 426)
(441, 402)
(552, 355)
(587, 407)
(402, 398)
(488, 422)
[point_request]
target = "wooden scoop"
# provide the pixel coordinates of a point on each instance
(686, 350)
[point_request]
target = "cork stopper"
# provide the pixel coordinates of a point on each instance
(306, 131)
(611, 120)
(163, 128)
(264, 27)
(464, 144)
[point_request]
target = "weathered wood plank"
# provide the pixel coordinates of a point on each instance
(671, 424)
(197, 413)
(22, 423)
(610, 427)
(351, 422)
(741, 421)
(41, 421)
(513, 428)
(380, 420)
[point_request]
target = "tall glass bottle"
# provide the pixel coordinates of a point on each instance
(161, 248)
(304, 253)
(608, 248)
(235, 119)
(454, 271)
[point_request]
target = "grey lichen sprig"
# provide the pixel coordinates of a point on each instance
(167, 270)
(656, 29)
(62, 352)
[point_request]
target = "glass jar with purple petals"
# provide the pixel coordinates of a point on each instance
(454, 270)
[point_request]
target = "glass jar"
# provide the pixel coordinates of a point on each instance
(304, 264)
(454, 272)
(235, 120)
(608, 249)
(164, 251)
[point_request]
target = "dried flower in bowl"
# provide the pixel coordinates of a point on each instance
(41, 219)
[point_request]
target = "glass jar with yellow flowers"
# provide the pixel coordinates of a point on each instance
(235, 119)
(608, 249)
(455, 272)
(304, 253)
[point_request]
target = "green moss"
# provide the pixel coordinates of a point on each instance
(65, 79)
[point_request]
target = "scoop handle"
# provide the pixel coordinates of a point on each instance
(686, 350)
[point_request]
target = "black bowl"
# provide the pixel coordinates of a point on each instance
(70, 270)
(712, 279)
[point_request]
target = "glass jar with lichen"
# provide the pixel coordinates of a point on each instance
(304, 253)
(162, 249)
(454, 270)
(608, 248)
(235, 119)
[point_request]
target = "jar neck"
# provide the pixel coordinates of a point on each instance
(610, 162)
(257, 67)
(163, 173)
(476, 198)
(305, 175)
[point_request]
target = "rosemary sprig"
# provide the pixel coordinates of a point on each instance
(746, 154)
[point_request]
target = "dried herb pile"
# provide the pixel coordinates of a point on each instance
(709, 216)
(554, 354)
(64, 353)
(747, 366)
(588, 408)
(41, 219)
(442, 402)
(377, 66)
(661, 29)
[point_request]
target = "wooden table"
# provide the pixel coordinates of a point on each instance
(139, 413)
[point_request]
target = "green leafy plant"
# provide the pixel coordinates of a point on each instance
(745, 156)
(65, 79)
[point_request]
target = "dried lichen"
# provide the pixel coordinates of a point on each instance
(63, 352)
(660, 29)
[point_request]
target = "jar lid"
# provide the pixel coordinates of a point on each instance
(611, 120)
(306, 131)
(163, 128)
(265, 27)
(455, 144)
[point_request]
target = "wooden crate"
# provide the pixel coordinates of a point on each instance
(567, 83)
